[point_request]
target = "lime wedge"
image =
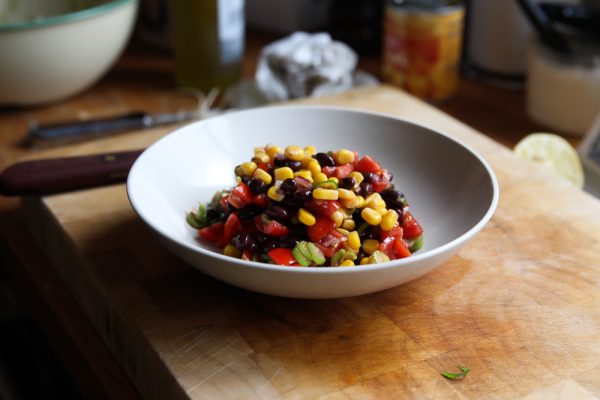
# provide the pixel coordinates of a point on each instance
(553, 152)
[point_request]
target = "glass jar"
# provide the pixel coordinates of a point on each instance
(422, 46)
(208, 42)
(563, 90)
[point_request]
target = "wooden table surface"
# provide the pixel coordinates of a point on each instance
(142, 80)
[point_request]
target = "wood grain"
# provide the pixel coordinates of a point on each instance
(519, 305)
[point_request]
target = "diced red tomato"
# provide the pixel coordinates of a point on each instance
(260, 200)
(232, 226)
(247, 255)
(411, 227)
(381, 181)
(321, 227)
(322, 207)
(367, 164)
(213, 232)
(331, 243)
(240, 196)
(264, 166)
(400, 248)
(396, 232)
(271, 228)
(282, 256)
(387, 246)
(340, 171)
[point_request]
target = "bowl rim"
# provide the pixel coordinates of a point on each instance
(328, 270)
(70, 17)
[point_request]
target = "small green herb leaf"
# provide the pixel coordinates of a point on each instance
(456, 375)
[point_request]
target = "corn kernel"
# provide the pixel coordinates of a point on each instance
(263, 176)
(354, 240)
(273, 194)
(381, 210)
(370, 245)
(283, 173)
(348, 224)
(261, 157)
(248, 168)
(388, 220)
(294, 153)
(306, 217)
(272, 151)
(352, 203)
(325, 194)
(305, 174)
(364, 261)
(347, 263)
(343, 231)
(338, 218)
(313, 166)
(344, 156)
(358, 177)
(346, 194)
(310, 151)
(360, 202)
(232, 251)
(374, 200)
(371, 216)
(319, 177)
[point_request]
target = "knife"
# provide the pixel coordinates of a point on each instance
(70, 131)
(40, 177)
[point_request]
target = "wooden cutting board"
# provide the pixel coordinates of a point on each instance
(519, 305)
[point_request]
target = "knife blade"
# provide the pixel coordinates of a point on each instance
(56, 175)
(73, 131)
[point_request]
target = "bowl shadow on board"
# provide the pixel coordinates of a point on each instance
(193, 301)
(138, 258)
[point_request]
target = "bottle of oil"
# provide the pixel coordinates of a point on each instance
(208, 42)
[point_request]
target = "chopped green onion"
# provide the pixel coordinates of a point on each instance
(197, 220)
(456, 375)
(328, 184)
(378, 257)
(416, 244)
(316, 254)
(298, 253)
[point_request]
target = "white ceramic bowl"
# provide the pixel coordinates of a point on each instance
(53, 49)
(452, 191)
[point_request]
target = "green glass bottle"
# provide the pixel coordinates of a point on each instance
(208, 42)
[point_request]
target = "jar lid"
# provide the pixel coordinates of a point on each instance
(433, 6)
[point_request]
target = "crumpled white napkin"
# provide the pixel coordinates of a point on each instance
(304, 64)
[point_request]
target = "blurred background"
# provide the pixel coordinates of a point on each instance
(507, 68)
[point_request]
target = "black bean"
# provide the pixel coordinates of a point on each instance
(244, 241)
(269, 244)
(288, 186)
(365, 188)
(257, 186)
(279, 214)
(299, 232)
(280, 161)
(288, 242)
(368, 176)
(212, 213)
(347, 182)
(392, 198)
(325, 160)
(294, 165)
(248, 212)
(303, 195)
(400, 212)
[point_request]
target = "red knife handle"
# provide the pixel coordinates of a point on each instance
(39, 177)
